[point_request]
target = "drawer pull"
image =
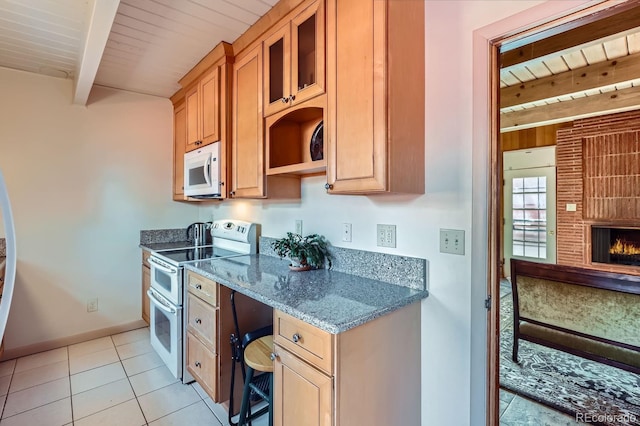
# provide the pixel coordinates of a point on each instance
(198, 321)
(296, 337)
(197, 364)
(198, 287)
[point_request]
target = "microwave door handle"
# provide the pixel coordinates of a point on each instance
(159, 303)
(207, 170)
(171, 271)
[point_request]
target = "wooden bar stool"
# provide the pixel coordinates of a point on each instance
(257, 357)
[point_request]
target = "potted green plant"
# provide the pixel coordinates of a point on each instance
(304, 252)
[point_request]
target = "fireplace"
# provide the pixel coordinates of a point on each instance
(614, 245)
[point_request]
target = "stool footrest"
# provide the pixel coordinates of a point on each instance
(260, 386)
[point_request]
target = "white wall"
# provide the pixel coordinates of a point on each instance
(83, 182)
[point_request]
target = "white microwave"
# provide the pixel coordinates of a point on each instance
(202, 172)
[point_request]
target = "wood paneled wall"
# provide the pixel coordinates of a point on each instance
(530, 138)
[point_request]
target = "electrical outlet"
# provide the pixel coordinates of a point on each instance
(299, 227)
(386, 235)
(452, 241)
(92, 305)
(346, 232)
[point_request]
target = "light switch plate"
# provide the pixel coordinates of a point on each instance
(346, 232)
(452, 241)
(386, 235)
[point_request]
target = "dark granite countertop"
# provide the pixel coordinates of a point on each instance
(330, 300)
(166, 245)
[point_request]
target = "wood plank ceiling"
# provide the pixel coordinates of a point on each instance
(590, 69)
(151, 45)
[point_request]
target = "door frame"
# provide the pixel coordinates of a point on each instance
(542, 20)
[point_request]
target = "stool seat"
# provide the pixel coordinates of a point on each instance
(257, 355)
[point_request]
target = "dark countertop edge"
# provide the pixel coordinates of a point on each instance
(174, 245)
(321, 324)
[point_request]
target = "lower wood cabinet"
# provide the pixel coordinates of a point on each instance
(146, 283)
(368, 375)
(302, 394)
(209, 319)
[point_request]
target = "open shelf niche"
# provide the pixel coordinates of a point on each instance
(288, 139)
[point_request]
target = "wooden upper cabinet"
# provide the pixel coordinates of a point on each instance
(375, 91)
(294, 60)
(179, 147)
(203, 110)
(247, 140)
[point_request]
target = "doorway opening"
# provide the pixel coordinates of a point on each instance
(518, 226)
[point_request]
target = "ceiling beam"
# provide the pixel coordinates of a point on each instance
(577, 35)
(601, 74)
(98, 29)
(590, 106)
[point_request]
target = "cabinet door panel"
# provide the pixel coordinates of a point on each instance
(277, 70)
(302, 395)
(146, 283)
(308, 53)
(357, 103)
(179, 147)
(248, 149)
(192, 103)
(210, 98)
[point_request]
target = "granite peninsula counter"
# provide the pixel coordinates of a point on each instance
(330, 300)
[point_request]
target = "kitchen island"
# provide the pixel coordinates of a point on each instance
(332, 301)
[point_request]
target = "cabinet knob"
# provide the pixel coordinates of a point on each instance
(292, 98)
(285, 100)
(198, 321)
(198, 287)
(273, 356)
(296, 338)
(328, 186)
(197, 364)
(232, 193)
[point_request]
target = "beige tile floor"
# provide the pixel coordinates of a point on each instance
(115, 380)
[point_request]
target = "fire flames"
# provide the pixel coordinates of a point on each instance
(625, 248)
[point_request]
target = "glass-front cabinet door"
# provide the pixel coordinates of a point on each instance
(294, 60)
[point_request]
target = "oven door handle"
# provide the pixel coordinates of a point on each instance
(162, 267)
(159, 303)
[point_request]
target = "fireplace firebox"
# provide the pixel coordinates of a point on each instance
(615, 245)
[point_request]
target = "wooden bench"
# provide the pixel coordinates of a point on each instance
(589, 313)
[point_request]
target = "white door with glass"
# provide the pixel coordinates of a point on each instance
(529, 206)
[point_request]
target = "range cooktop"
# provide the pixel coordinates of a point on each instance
(193, 254)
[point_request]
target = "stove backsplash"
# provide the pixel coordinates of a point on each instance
(153, 236)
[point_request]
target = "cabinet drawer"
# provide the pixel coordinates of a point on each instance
(202, 287)
(202, 364)
(306, 341)
(202, 320)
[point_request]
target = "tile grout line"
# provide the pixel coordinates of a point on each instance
(7, 395)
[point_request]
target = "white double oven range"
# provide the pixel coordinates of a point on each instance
(168, 293)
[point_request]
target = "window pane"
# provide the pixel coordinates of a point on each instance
(518, 249)
(518, 201)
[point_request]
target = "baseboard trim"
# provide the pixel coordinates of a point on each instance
(70, 340)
